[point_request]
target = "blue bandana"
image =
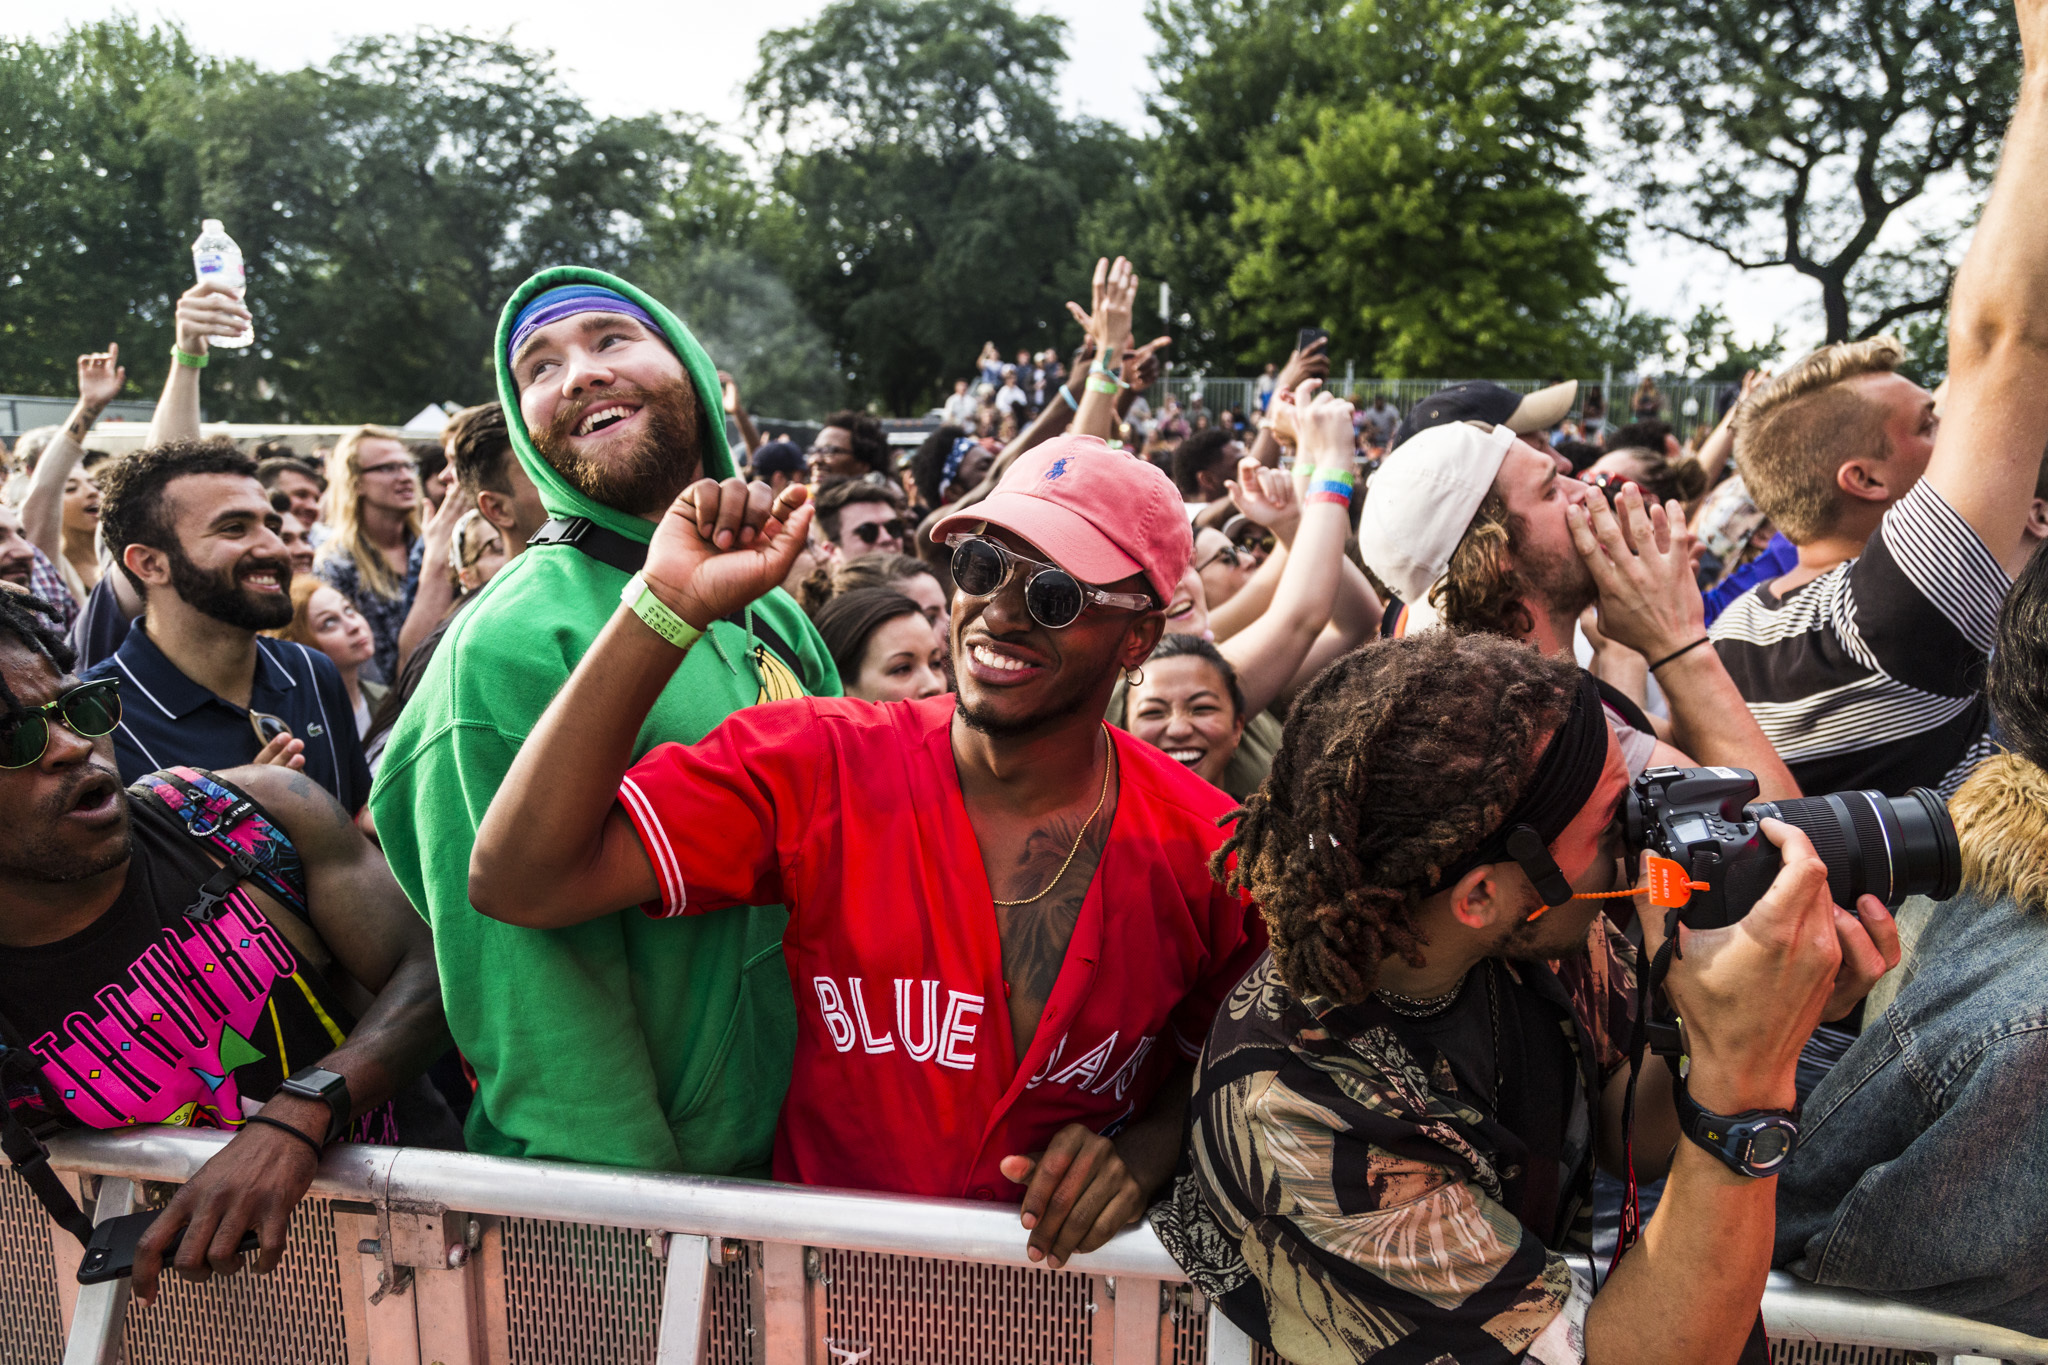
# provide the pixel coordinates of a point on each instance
(963, 446)
(569, 300)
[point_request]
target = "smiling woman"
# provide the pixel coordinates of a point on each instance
(1188, 704)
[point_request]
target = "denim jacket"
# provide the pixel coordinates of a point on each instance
(1922, 1167)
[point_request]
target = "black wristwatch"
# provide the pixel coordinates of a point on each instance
(328, 1087)
(1755, 1142)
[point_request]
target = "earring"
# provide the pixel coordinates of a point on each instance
(1133, 676)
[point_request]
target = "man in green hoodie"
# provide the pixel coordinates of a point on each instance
(630, 1040)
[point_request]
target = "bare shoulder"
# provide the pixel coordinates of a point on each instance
(307, 811)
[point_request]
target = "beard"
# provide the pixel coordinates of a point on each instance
(644, 478)
(220, 594)
(1563, 586)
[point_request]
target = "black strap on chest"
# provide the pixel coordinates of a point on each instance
(25, 1151)
(629, 556)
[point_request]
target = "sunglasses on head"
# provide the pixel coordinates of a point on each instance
(1054, 597)
(1610, 486)
(870, 532)
(88, 710)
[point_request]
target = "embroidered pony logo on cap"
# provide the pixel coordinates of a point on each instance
(1058, 468)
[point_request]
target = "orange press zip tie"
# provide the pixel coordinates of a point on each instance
(1665, 882)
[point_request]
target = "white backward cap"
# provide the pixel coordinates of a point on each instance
(1421, 501)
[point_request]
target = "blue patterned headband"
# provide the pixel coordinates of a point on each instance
(569, 300)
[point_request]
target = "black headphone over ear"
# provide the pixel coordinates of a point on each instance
(1527, 848)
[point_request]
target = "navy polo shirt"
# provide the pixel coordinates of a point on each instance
(167, 719)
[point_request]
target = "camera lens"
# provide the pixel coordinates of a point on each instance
(1890, 847)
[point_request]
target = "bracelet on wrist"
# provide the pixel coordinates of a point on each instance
(1682, 650)
(187, 359)
(1072, 402)
(283, 1127)
(1101, 383)
(657, 614)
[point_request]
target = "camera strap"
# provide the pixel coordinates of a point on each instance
(1648, 983)
(28, 1154)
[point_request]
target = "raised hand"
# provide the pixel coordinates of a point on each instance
(1310, 362)
(1641, 561)
(209, 310)
(1141, 364)
(1115, 293)
(729, 392)
(1268, 497)
(722, 545)
(1323, 422)
(100, 377)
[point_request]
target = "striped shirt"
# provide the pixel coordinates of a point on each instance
(1872, 675)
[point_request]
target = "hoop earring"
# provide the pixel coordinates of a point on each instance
(1133, 676)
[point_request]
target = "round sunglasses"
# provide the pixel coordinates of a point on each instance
(1054, 597)
(88, 710)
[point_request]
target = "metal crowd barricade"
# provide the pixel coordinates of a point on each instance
(402, 1256)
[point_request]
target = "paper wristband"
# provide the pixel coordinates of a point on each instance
(640, 599)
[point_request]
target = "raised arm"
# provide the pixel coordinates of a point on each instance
(1108, 324)
(1268, 652)
(729, 392)
(718, 547)
(1995, 423)
(100, 377)
(204, 310)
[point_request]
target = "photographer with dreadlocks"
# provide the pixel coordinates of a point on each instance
(1397, 1112)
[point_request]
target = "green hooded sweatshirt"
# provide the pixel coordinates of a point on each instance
(627, 1041)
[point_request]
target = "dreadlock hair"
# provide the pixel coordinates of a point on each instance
(22, 619)
(1402, 756)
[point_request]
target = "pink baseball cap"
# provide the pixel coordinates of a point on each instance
(1099, 514)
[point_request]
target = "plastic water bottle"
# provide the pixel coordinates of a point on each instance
(216, 258)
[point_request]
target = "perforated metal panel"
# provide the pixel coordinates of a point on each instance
(31, 1323)
(291, 1316)
(736, 1310)
(578, 1292)
(907, 1310)
(1835, 1353)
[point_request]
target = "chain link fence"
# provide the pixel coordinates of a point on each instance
(1682, 403)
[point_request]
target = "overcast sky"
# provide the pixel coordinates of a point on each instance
(638, 56)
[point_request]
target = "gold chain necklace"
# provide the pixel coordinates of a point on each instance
(1107, 758)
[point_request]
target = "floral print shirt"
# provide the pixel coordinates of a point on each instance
(1346, 1193)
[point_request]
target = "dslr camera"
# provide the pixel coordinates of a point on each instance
(1709, 822)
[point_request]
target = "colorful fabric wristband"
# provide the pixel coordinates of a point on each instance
(1072, 401)
(187, 359)
(1102, 383)
(1327, 489)
(663, 622)
(1332, 475)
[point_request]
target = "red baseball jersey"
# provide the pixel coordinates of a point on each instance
(906, 1076)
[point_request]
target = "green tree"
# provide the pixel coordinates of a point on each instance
(1226, 70)
(390, 201)
(87, 253)
(1425, 217)
(935, 194)
(1798, 132)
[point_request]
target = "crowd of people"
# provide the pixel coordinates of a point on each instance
(1106, 810)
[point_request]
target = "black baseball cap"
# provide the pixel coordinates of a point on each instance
(1482, 400)
(778, 457)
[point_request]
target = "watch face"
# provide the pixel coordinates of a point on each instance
(1768, 1146)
